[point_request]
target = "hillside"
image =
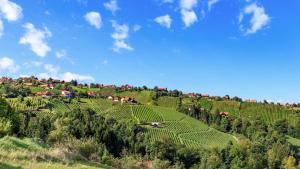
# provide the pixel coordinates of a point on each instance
(60, 124)
(30, 154)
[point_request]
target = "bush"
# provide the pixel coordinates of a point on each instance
(5, 127)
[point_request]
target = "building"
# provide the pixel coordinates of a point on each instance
(224, 114)
(66, 94)
(44, 94)
(155, 124)
(91, 94)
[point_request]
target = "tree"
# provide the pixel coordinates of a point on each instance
(281, 126)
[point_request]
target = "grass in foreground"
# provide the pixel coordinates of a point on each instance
(30, 154)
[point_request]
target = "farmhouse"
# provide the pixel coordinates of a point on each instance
(66, 94)
(44, 94)
(251, 101)
(5, 79)
(205, 95)
(124, 99)
(47, 86)
(114, 98)
(126, 87)
(127, 99)
(224, 114)
(91, 94)
(155, 124)
(193, 95)
(162, 89)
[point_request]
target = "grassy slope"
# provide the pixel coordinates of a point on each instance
(295, 142)
(27, 154)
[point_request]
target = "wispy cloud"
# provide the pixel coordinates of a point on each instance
(112, 6)
(136, 27)
(36, 39)
(211, 3)
(94, 19)
(164, 21)
(120, 35)
(258, 20)
(60, 54)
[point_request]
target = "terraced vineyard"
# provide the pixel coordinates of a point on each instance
(227, 106)
(166, 101)
(28, 104)
(177, 126)
(268, 113)
(146, 114)
(183, 129)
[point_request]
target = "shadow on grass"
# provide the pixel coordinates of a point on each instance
(8, 166)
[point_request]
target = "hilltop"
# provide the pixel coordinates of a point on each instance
(160, 126)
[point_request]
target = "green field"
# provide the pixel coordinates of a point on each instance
(30, 154)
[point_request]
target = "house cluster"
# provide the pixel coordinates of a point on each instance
(251, 101)
(122, 99)
(44, 94)
(224, 114)
(5, 79)
(194, 95)
(47, 86)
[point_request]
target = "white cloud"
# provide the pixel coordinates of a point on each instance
(188, 15)
(1, 28)
(36, 39)
(51, 69)
(60, 54)
(8, 64)
(137, 27)
(211, 3)
(10, 10)
(94, 19)
(188, 4)
(164, 21)
(111, 6)
(68, 76)
(53, 72)
(258, 21)
(119, 36)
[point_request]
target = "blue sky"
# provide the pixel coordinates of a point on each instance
(246, 48)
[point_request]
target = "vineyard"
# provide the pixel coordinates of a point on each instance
(227, 106)
(183, 129)
(166, 101)
(177, 126)
(269, 113)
